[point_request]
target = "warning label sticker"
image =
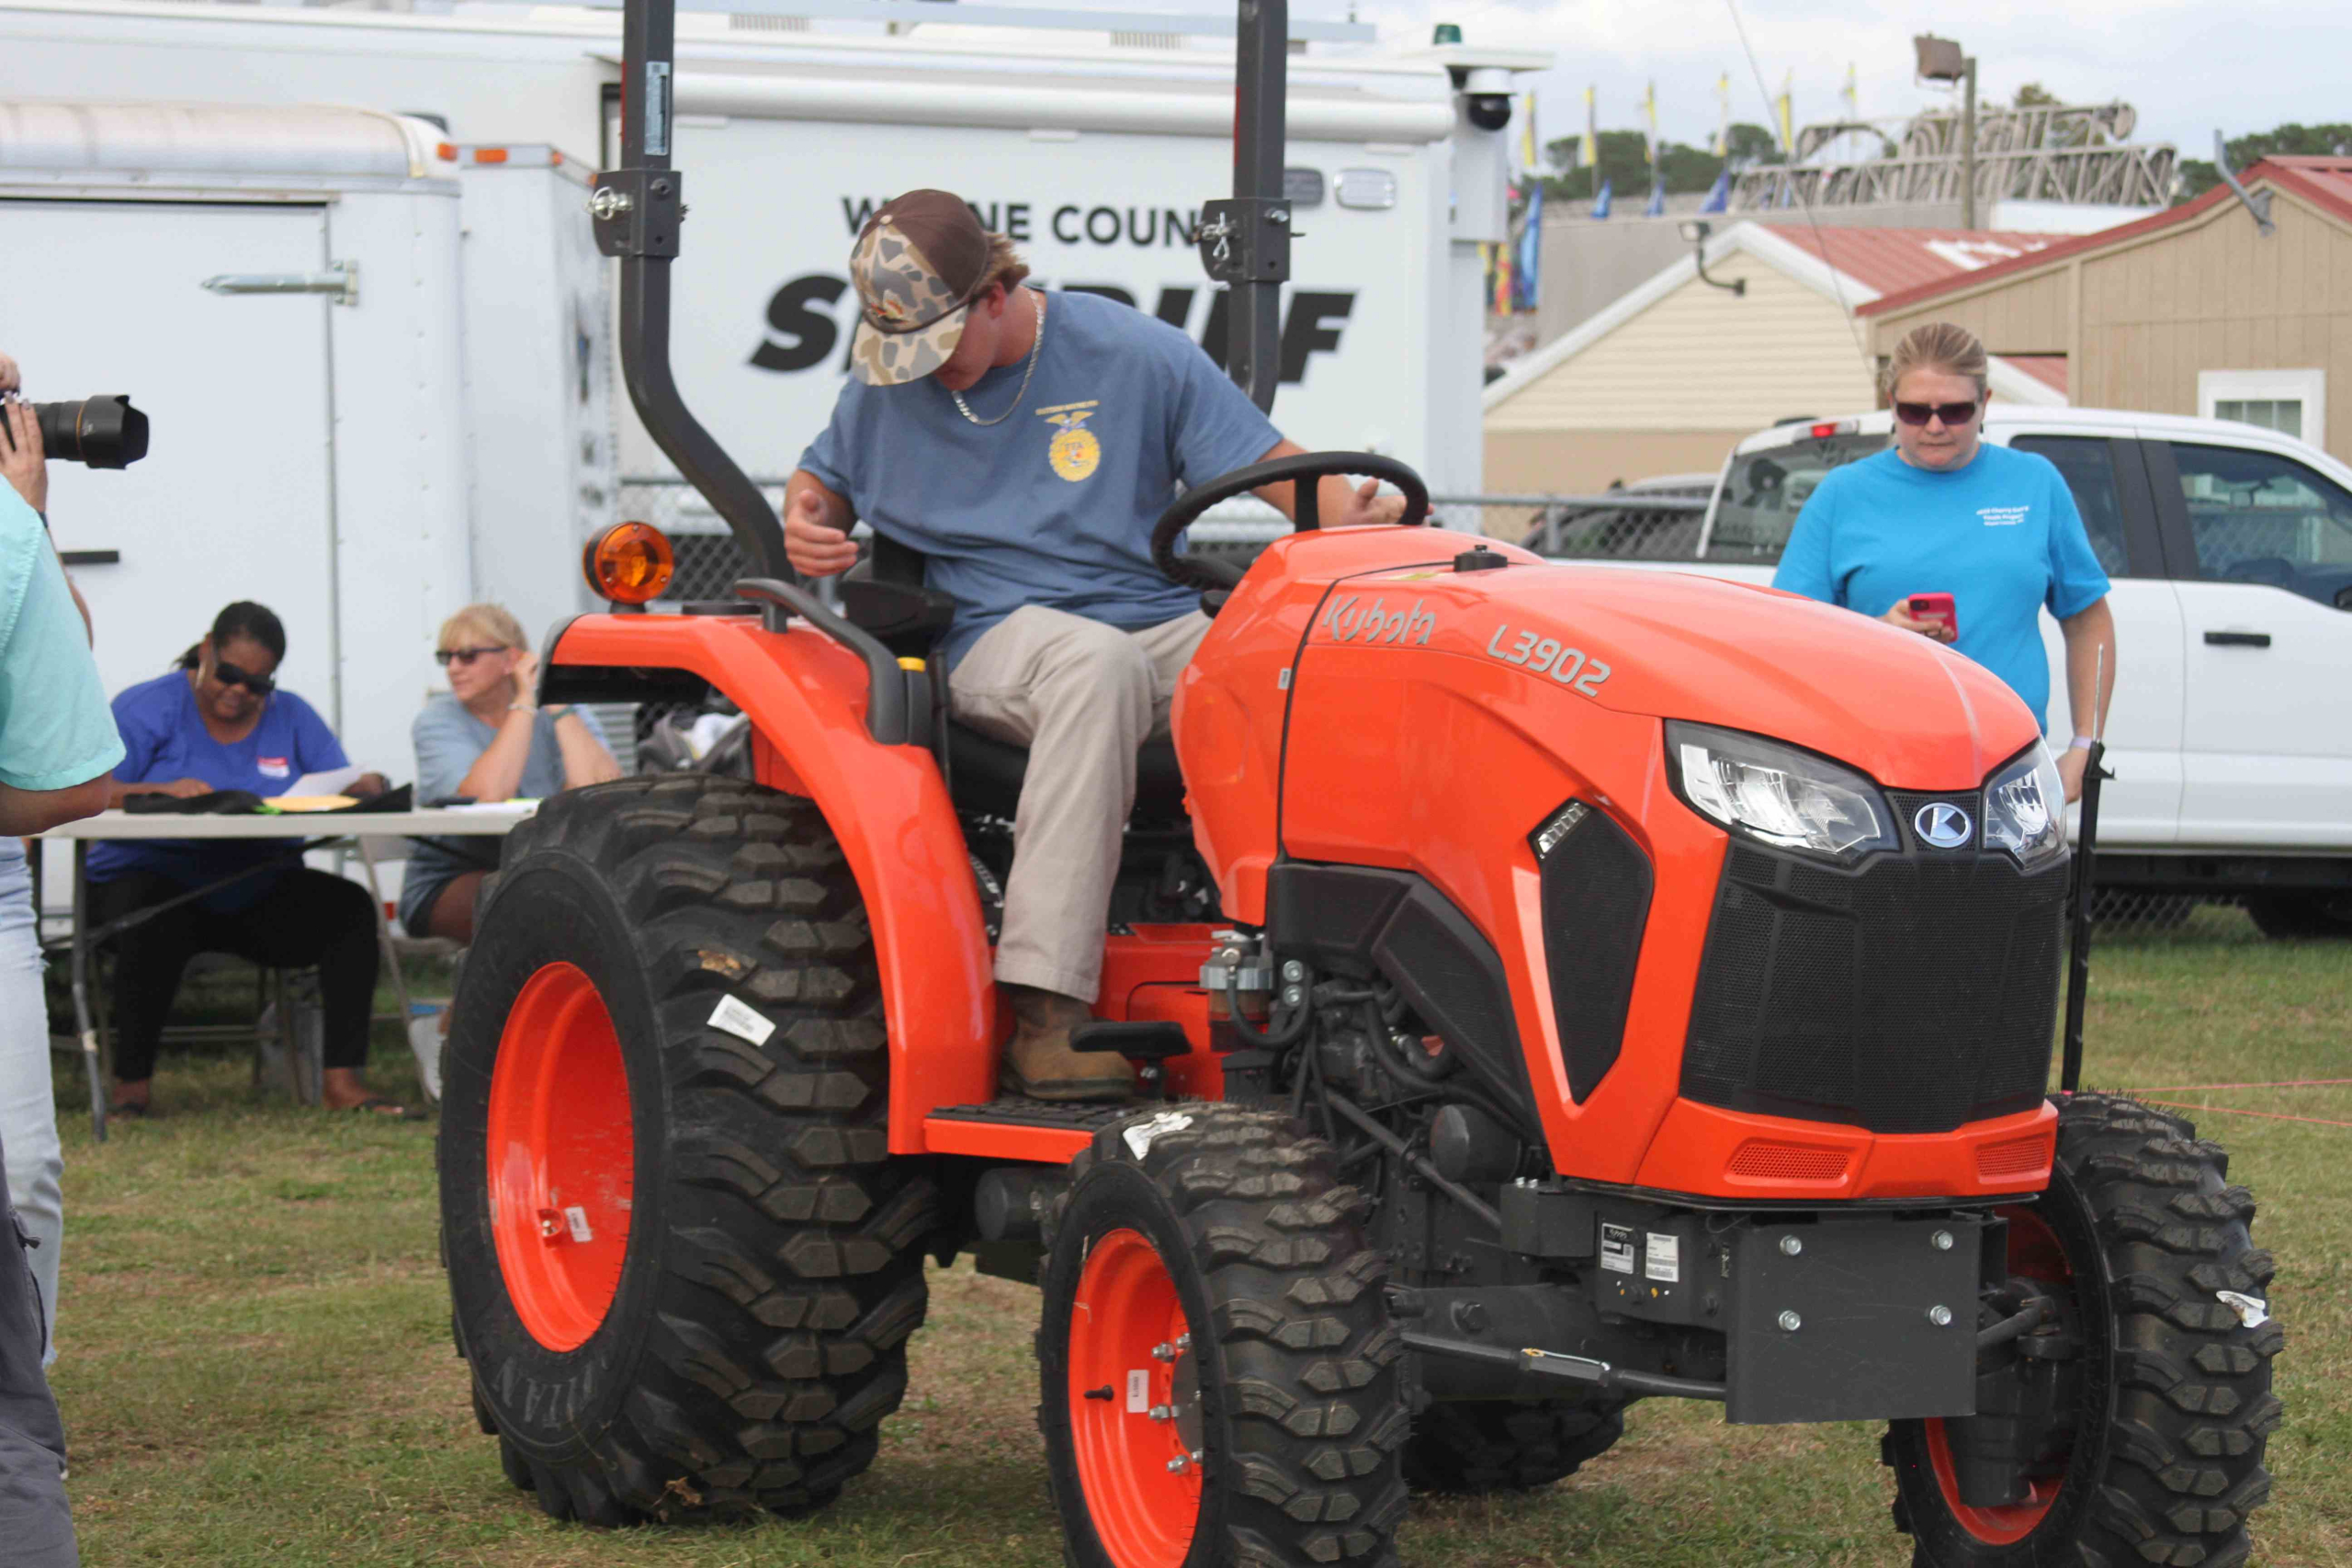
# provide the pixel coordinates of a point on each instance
(1662, 1261)
(1617, 1247)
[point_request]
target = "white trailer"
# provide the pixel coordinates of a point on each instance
(376, 366)
(1092, 147)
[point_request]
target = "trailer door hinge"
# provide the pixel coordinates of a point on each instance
(339, 283)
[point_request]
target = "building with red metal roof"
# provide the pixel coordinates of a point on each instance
(1757, 326)
(2215, 308)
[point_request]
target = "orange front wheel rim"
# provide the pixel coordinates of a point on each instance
(2035, 1253)
(1134, 1403)
(563, 1157)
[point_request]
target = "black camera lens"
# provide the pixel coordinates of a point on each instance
(105, 433)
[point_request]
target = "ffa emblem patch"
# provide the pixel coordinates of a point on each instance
(1074, 452)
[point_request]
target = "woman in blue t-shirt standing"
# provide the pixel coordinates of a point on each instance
(218, 721)
(1940, 512)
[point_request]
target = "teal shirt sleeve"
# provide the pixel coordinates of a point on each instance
(1805, 559)
(56, 729)
(2076, 579)
(446, 750)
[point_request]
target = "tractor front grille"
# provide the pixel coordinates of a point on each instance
(1910, 996)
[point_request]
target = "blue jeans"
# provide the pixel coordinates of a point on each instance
(28, 1101)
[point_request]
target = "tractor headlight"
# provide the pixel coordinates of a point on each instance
(2025, 808)
(1778, 794)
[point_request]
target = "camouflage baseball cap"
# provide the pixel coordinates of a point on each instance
(916, 265)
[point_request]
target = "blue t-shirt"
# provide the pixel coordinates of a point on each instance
(164, 739)
(1055, 505)
(2001, 536)
(449, 740)
(55, 731)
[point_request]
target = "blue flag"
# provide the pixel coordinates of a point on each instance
(1657, 209)
(1600, 202)
(1527, 277)
(1719, 198)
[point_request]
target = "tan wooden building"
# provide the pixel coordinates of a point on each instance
(1666, 378)
(2192, 311)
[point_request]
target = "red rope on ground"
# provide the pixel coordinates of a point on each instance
(2235, 1111)
(2203, 1088)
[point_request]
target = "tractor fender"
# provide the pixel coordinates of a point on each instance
(805, 695)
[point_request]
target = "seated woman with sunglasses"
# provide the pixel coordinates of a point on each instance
(218, 721)
(1942, 512)
(488, 740)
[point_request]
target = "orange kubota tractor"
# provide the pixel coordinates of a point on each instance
(1555, 988)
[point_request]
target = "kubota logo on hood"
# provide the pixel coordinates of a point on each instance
(1374, 623)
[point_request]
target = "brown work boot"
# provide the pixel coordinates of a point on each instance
(1038, 1061)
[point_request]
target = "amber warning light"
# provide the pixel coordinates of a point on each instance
(629, 563)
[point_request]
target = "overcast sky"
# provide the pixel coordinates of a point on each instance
(2189, 66)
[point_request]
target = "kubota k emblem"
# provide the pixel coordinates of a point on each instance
(1941, 824)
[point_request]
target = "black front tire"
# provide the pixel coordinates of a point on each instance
(1294, 1355)
(2174, 1403)
(756, 1335)
(1470, 1448)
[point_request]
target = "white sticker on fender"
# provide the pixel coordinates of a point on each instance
(742, 1021)
(1662, 1258)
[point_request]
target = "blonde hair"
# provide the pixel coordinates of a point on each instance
(1938, 345)
(1006, 269)
(489, 622)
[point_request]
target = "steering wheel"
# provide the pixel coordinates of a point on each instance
(1303, 471)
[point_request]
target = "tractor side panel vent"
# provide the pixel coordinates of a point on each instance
(1596, 895)
(1911, 996)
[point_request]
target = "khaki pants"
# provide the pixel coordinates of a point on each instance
(1081, 696)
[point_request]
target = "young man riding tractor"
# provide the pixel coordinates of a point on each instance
(1033, 501)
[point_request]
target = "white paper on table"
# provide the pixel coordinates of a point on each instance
(494, 805)
(335, 781)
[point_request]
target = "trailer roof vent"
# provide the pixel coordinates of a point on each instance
(1129, 39)
(742, 24)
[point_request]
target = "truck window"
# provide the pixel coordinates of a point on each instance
(1763, 492)
(2087, 465)
(2259, 517)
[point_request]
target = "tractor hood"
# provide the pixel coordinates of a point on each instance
(1909, 712)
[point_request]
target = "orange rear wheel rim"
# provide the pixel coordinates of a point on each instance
(1134, 1405)
(563, 1157)
(2035, 1253)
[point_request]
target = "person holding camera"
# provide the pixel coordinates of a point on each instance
(488, 738)
(35, 1162)
(218, 721)
(1962, 541)
(58, 746)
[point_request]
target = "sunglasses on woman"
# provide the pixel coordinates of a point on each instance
(1950, 413)
(229, 675)
(448, 656)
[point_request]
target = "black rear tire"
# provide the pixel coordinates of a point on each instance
(2175, 1403)
(1472, 1447)
(2301, 915)
(756, 1335)
(1292, 1353)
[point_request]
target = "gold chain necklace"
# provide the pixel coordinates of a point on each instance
(1037, 347)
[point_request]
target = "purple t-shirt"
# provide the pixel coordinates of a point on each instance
(164, 739)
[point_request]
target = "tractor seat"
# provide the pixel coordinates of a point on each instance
(986, 774)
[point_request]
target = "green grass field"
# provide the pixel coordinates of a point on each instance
(255, 1364)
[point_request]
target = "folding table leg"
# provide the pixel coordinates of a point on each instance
(82, 989)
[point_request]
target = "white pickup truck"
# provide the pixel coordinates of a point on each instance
(2230, 548)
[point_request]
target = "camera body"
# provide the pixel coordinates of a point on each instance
(103, 433)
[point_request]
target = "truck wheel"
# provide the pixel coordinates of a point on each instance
(682, 1267)
(1220, 1378)
(2286, 915)
(1496, 1446)
(2140, 1234)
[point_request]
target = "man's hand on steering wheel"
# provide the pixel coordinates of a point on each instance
(1367, 507)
